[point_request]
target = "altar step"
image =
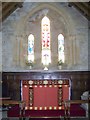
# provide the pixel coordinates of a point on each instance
(72, 118)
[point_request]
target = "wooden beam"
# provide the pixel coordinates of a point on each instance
(86, 4)
(86, 7)
(84, 10)
(82, 7)
(9, 10)
(0, 12)
(4, 5)
(20, 4)
(9, 7)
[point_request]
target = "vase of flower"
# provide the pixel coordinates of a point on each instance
(30, 67)
(60, 63)
(60, 67)
(30, 64)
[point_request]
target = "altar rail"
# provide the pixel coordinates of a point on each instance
(6, 103)
(68, 103)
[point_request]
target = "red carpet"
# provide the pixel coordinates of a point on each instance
(75, 110)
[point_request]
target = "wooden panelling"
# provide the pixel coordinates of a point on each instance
(79, 81)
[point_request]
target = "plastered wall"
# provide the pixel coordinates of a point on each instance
(26, 20)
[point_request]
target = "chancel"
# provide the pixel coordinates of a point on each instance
(44, 66)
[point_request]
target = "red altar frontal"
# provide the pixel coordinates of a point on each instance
(45, 94)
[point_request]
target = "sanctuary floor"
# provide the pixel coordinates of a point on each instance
(72, 118)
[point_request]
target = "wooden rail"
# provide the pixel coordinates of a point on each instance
(68, 103)
(8, 103)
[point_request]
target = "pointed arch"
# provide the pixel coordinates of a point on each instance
(61, 54)
(45, 33)
(31, 47)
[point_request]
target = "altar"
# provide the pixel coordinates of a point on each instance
(45, 94)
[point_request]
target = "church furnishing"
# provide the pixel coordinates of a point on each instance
(45, 94)
(79, 83)
(67, 106)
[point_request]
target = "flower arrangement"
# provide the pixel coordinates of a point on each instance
(29, 63)
(60, 62)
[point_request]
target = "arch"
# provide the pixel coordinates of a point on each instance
(45, 33)
(54, 7)
(61, 55)
(66, 20)
(31, 47)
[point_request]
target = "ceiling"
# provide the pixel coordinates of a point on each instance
(10, 7)
(82, 7)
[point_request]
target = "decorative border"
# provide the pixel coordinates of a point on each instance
(60, 93)
(44, 108)
(45, 83)
(31, 96)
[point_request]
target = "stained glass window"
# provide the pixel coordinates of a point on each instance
(61, 48)
(46, 52)
(31, 48)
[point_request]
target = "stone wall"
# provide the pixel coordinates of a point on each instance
(0, 51)
(26, 20)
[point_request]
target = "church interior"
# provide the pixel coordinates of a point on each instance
(44, 65)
